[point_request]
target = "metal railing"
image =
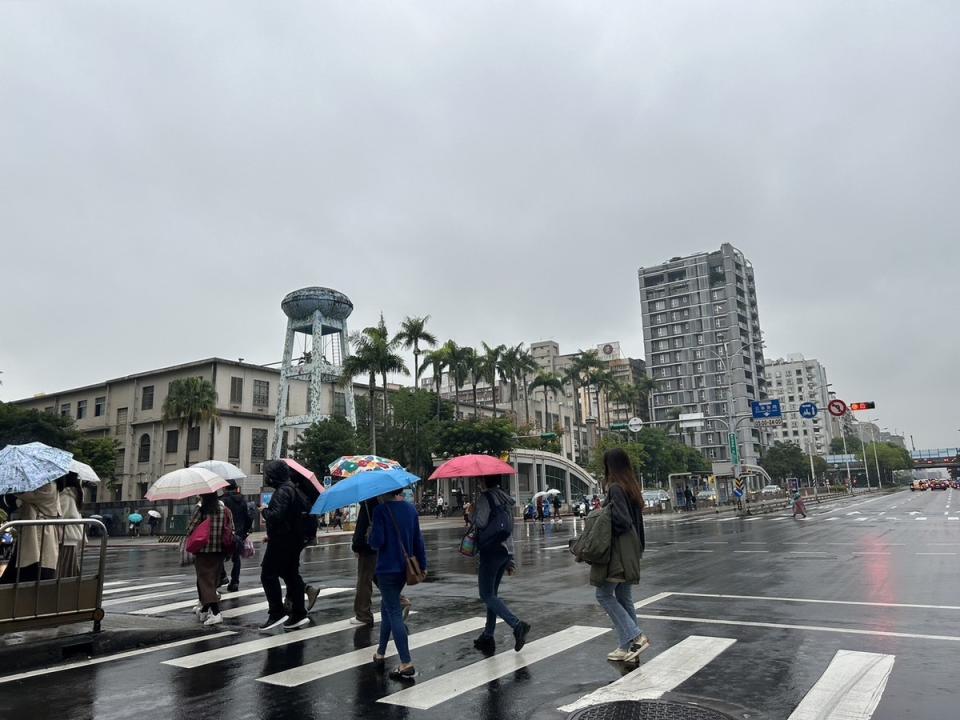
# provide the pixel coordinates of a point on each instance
(72, 595)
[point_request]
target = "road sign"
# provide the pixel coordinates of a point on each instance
(738, 487)
(734, 449)
(766, 409)
(808, 410)
(691, 420)
(837, 408)
(618, 426)
(768, 422)
(635, 425)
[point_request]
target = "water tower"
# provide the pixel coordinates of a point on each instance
(317, 334)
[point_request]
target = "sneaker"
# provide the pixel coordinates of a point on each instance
(203, 616)
(214, 619)
(637, 647)
(232, 588)
(296, 621)
(520, 633)
(379, 661)
(619, 655)
(272, 622)
(197, 609)
(356, 622)
(485, 643)
(312, 595)
(407, 673)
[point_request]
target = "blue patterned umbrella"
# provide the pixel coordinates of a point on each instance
(26, 467)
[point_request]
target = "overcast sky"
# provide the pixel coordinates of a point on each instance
(168, 171)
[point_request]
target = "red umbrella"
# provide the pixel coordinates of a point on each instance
(472, 466)
(305, 473)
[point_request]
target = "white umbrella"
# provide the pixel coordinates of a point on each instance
(228, 471)
(154, 514)
(542, 493)
(184, 483)
(553, 491)
(84, 472)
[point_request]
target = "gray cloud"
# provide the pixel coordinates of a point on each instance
(170, 172)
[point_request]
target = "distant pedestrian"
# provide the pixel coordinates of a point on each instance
(367, 566)
(494, 558)
(797, 501)
(338, 518)
(596, 503)
(395, 536)
(540, 509)
(208, 561)
(242, 522)
(556, 509)
(439, 506)
(681, 499)
(283, 518)
(468, 511)
(688, 499)
(614, 581)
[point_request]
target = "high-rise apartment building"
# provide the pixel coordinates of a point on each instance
(794, 381)
(703, 347)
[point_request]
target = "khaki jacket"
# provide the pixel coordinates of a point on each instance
(39, 504)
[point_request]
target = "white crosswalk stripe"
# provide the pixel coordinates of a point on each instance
(431, 693)
(149, 596)
(158, 609)
(114, 591)
(660, 675)
(849, 689)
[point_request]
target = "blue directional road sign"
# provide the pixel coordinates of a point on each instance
(808, 410)
(768, 409)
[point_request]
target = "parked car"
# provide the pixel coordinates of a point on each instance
(707, 496)
(656, 499)
(771, 491)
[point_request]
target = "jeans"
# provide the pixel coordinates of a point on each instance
(282, 561)
(235, 570)
(617, 600)
(391, 615)
(490, 571)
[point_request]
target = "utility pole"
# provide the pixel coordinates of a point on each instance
(876, 461)
(863, 449)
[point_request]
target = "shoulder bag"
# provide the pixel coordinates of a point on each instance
(415, 575)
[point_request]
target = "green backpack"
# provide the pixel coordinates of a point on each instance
(593, 545)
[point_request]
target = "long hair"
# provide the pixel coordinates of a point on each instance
(209, 504)
(618, 469)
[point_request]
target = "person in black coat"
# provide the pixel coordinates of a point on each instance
(242, 522)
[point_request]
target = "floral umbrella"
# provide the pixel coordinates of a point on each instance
(350, 465)
(26, 467)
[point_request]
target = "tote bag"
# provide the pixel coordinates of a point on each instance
(199, 538)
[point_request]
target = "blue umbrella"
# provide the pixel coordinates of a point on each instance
(135, 517)
(27, 467)
(363, 486)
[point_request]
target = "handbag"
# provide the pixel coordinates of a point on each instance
(415, 575)
(228, 539)
(248, 551)
(468, 543)
(199, 538)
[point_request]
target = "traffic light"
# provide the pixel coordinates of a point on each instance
(863, 406)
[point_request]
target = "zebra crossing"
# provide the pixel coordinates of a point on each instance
(851, 686)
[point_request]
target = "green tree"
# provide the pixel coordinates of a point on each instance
(475, 368)
(414, 430)
(457, 361)
(413, 332)
(526, 366)
(100, 453)
(363, 361)
(636, 451)
(890, 457)
(546, 381)
(436, 360)
(323, 442)
(492, 436)
(853, 445)
(785, 460)
(19, 426)
(190, 402)
(587, 364)
(491, 367)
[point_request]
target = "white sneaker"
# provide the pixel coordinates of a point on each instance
(356, 623)
(637, 647)
(619, 655)
(214, 619)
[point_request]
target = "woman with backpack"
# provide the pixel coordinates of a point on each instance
(208, 560)
(395, 536)
(493, 519)
(614, 581)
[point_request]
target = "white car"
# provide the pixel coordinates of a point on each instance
(654, 498)
(771, 491)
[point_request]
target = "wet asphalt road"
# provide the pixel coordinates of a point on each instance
(796, 593)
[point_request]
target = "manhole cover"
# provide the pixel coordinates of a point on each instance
(647, 710)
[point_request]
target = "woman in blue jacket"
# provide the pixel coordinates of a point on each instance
(395, 533)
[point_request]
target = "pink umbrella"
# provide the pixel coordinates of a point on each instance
(304, 472)
(472, 466)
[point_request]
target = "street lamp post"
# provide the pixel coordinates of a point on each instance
(876, 461)
(863, 449)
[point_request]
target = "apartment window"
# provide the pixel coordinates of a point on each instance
(698, 367)
(258, 444)
(674, 302)
(720, 366)
(718, 322)
(236, 390)
(719, 379)
(661, 345)
(143, 451)
(678, 342)
(146, 398)
(49, 409)
(121, 459)
(661, 332)
(790, 398)
(65, 410)
(799, 371)
(698, 354)
(121, 417)
(99, 406)
(193, 438)
(261, 393)
(699, 339)
(339, 404)
(233, 445)
(81, 409)
(173, 440)
(717, 294)
(660, 305)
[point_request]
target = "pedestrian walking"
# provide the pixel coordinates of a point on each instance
(557, 504)
(283, 518)
(395, 536)
(540, 509)
(208, 559)
(367, 567)
(39, 547)
(242, 522)
(337, 519)
(797, 501)
(615, 580)
(71, 500)
(439, 506)
(494, 522)
(468, 511)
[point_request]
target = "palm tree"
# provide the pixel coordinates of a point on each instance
(491, 367)
(475, 366)
(436, 360)
(509, 359)
(546, 381)
(385, 357)
(586, 365)
(607, 384)
(645, 385)
(525, 366)
(412, 333)
(189, 402)
(363, 360)
(457, 363)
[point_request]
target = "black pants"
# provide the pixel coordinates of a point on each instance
(282, 560)
(235, 570)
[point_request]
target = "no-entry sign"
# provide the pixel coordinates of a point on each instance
(837, 408)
